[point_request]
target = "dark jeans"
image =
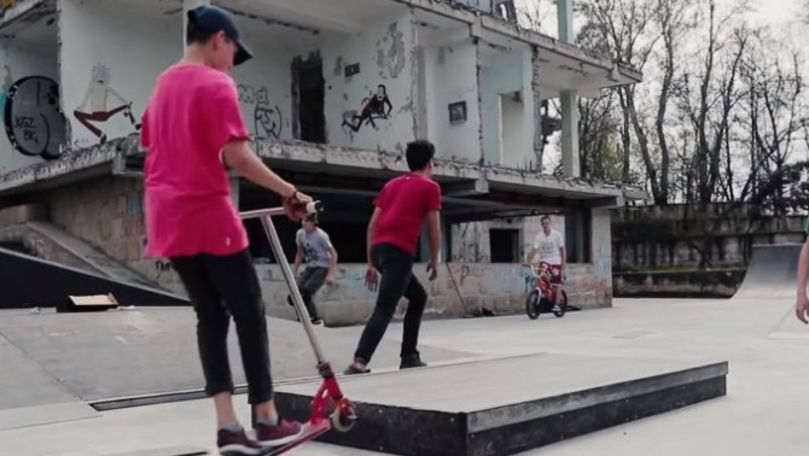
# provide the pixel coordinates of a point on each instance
(310, 280)
(221, 287)
(396, 267)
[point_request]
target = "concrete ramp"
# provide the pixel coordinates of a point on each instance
(28, 281)
(771, 273)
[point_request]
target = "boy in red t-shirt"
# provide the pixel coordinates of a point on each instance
(393, 232)
(192, 129)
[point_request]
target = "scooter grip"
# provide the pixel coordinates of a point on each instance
(313, 207)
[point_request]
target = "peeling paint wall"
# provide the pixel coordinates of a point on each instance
(498, 287)
(384, 54)
(602, 252)
(18, 62)
(109, 62)
(471, 242)
(451, 79)
(507, 109)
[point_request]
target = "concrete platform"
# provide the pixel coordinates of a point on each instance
(504, 406)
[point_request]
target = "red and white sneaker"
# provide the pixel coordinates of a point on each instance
(237, 444)
(284, 433)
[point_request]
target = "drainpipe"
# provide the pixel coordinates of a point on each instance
(569, 98)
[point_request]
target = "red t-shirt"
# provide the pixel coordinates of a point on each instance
(404, 203)
(193, 113)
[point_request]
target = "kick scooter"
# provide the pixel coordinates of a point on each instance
(329, 409)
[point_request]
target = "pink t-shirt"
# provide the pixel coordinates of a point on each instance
(193, 113)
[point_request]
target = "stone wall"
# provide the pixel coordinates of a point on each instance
(681, 251)
(108, 214)
(501, 288)
(14, 228)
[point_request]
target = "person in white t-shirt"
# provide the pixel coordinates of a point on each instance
(550, 245)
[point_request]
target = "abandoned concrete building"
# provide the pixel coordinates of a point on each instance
(75, 76)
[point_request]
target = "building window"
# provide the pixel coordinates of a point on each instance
(504, 245)
(308, 94)
(578, 229)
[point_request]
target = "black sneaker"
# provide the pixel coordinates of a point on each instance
(411, 361)
(237, 444)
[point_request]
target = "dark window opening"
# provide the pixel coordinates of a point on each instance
(504, 245)
(578, 229)
(308, 94)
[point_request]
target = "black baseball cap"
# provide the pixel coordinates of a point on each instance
(213, 19)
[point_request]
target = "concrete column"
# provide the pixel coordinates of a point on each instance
(601, 245)
(569, 99)
(188, 5)
(564, 9)
(570, 133)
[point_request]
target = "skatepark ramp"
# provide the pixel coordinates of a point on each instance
(29, 281)
(771, 272)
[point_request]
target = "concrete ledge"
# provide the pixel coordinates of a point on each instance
(45, 414)
(505, 406)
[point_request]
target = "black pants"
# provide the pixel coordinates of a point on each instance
(309, 282)
(221, 287)
(396, 267)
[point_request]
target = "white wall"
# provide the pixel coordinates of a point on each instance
(385, 52)
(512, 138)
(451, 77)
(504, 74)
(133, 48)
(16, 63)
(265, 90)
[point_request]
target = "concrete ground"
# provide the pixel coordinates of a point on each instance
(763, 414)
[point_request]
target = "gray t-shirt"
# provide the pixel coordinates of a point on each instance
(315, 246)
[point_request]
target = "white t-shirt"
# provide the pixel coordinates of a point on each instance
(548, 246)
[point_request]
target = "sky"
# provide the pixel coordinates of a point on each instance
(778, 13)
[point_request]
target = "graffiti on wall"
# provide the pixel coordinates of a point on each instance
(266, 115)
(97, 99)
(34, 122)
(376, 106)
(471, 245)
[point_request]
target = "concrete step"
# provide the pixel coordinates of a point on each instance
(505, 406)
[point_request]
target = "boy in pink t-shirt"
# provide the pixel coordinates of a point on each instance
(192, 129)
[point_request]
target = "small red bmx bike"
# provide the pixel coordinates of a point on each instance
(547, 295)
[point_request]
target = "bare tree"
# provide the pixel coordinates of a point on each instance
(776, 107)
(638, 32)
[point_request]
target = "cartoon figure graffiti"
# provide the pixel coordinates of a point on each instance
(34, 122)
(267, 117)
(373, 108)
(97, 94)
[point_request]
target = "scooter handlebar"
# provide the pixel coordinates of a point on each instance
(311, 208)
